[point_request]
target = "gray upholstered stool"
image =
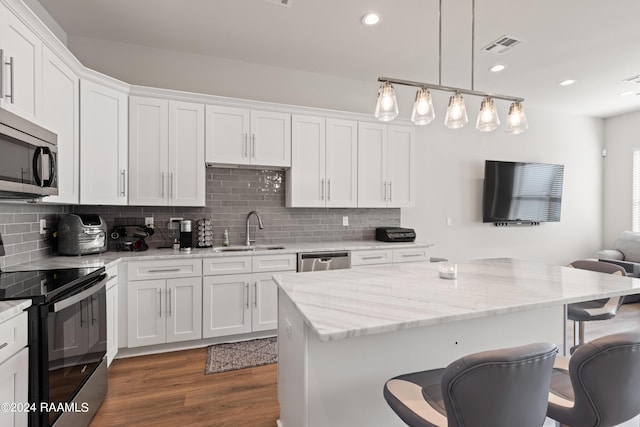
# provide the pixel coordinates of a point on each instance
(602, 309)
(499, 388)
(599, 385)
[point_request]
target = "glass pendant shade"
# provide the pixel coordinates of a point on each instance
(456, 112)
(488, 119)
(423, 112)
(387, 105)
(516, 120)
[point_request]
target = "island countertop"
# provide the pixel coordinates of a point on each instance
(363, 301)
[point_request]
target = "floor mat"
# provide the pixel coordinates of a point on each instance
(239, 355)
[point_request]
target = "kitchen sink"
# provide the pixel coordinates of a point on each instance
(248, 248)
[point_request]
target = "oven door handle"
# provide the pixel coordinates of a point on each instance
(75, 298)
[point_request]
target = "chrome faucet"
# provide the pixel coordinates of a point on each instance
(260, 226)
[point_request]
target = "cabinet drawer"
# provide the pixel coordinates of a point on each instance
(164, 269)
(410, 255)
(226, 265)
(13, 336)
(266, 263)
(371, 257)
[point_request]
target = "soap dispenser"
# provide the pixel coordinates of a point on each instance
(225, 238)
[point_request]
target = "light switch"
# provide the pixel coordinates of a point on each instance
(345, 221)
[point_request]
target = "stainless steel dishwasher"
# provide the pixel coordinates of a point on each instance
(322, 261)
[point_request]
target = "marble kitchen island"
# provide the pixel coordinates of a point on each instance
(343, 333)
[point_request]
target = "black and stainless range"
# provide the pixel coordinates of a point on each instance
(67, 341)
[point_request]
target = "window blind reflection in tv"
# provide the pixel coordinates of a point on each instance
(519, 191)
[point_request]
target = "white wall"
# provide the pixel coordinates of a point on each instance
(621, 135)
(450, 163)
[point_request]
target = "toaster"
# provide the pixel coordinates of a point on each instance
(81, 234)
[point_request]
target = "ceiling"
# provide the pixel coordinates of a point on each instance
(595, 42)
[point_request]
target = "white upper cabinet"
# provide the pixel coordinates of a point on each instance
(239, 136)
(21, 55)
(103, 144)
(61, 115)
(166, 153)
(324, 163)
(385, 166)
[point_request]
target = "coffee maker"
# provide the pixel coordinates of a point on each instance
(186, 235)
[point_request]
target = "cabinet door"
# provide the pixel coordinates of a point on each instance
(61, 115)
(184, 309)
(306, 178)
(400, 163)
(148, 150)
(112, 319)
(226, 305)
(227, 135)
(21, 81)
(103, 145)
(146, 312)
(372, 165)
(270, 139)
(342, 163)
(186, 154)
(14, 377)
(264, 309)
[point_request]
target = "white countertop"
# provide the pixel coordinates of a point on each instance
(110, 258)
(362, 301)
(9, 309)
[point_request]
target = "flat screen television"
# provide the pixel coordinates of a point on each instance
(522, 192)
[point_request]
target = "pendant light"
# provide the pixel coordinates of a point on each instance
(456, 116)
(516, 120)
(456, 112)
(387, 105)
(488, 119)
(423, 112)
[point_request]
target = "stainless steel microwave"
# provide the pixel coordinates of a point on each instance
(28, 159)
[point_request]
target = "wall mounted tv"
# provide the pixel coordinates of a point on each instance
(522, 193)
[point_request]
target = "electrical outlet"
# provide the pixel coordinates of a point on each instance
(345, 221)
(173, 225)
(43, 226)
(148, 221)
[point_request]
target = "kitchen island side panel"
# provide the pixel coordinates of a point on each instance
(343, 379)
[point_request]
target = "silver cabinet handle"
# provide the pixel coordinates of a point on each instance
(162, 184)
(1, 73)
(255, 294)
(93, 317)
(322, 189)
(328, 189)
(384, 184)
(246, 288)
(171, 185)
(81, 318)
(4, 94)
(373, 257)
(245, 153)
(169, 302)
(253, 148)
(164, 270)
(160, 295)
(410, 255)
(123, 178)
(390, 192)
(3, 345)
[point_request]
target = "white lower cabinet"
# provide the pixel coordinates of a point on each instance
(14, 369)
(112, 314)
(164, 310)
(244, 302)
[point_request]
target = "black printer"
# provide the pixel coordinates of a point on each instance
(395, 234)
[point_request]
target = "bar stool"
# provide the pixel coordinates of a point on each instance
(602, 309)
(498, 388)
(599, 386)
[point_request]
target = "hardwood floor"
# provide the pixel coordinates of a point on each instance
(171, 389)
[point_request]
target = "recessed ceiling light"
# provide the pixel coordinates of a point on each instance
(496, 68)
(371, 19)
(567, 82)
(627, 93)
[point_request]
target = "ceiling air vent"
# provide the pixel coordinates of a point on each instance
(280, 2)
(502, 44)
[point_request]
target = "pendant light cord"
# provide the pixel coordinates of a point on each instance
(473, 39)
(440, 44)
